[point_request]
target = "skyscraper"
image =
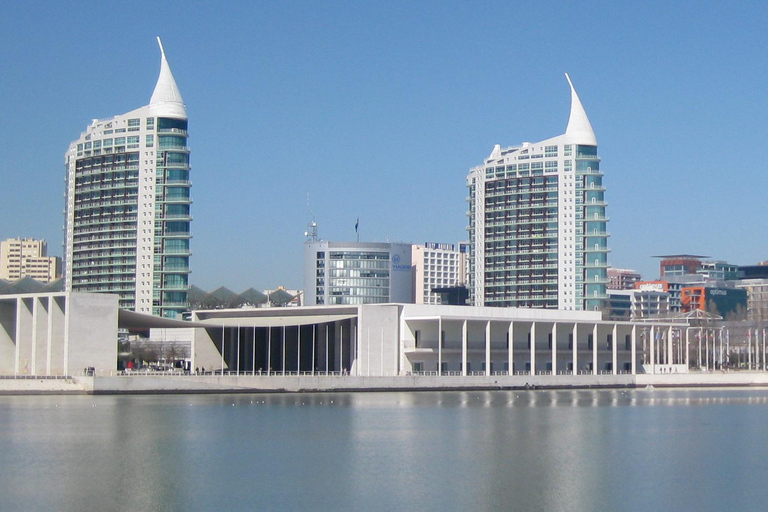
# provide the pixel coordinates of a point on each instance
(537, 222)
(128, 204)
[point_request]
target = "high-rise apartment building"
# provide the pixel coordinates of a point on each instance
(537, 222)
(26, 257)
(128, 204)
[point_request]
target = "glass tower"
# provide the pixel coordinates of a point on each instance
(128, 205)
(537, 223)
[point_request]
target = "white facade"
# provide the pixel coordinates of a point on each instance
(345, 273)
(537, 222)
(128, 205)
(26, 257)
(60, 333)
(435, 266)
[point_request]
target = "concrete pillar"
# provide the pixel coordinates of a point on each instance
(554, 348)
(633, 356)
(653, 350)
(614, 349)
(511, 348)
(464, 348)
(440, 345)
(575, 349)
(533, 348)
(594, 349)
(670, 353)
(488, 348)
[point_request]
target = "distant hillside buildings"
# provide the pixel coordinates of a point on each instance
(128, 205)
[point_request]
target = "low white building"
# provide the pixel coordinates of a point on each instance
(401, 339)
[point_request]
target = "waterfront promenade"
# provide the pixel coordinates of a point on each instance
(178, 383)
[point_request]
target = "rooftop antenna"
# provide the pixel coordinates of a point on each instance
(311, 233)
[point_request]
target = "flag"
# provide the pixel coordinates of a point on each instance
(357, 223)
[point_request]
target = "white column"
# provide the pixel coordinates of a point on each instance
(488, 348)
(511, 348)
(687, 348)
(17, 336)
(698, 360)
(253, 352)
(533, 348)
(66, 334)
(464, 348)
(653, 349)
(314, 341)
(49, 335)
(237, 364)
(614, 349)
(269, 350)
(670, 354)
(575, 349)
(440, 345)
(33, 355)
(283, 350)
(341, 348)
(554, 348)
(223, 331)
(633, 356)
(298, 350)
(594, 349)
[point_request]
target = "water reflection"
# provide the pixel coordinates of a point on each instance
(620, 449)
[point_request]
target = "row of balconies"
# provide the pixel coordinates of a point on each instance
(106, 185)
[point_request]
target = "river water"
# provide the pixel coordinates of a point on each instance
(589, 450)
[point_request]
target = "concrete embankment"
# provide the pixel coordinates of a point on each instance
(46, 386)
(156, 384)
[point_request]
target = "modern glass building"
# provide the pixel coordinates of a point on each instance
(537, 222)
(128, 205)
(337, 273)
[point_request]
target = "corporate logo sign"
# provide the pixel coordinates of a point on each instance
(397, 265)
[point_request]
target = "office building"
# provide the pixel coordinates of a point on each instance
(338, 273)
(26, 257)
(679, 264)
(537, 222)
(128, 205)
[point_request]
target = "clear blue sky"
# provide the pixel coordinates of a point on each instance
(377, 110)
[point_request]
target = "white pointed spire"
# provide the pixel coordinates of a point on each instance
(166, 98)
(579, 128)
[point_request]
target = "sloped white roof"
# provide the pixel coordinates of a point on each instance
(166, 98)
(579, 129)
